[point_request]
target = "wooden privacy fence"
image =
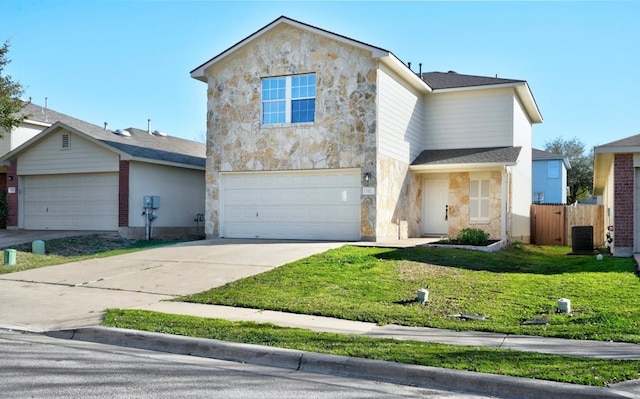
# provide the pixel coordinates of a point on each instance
(551, 224)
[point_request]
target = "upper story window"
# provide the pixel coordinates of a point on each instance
(289, 99)
(553, 169)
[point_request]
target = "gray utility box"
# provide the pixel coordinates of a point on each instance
(582, 239)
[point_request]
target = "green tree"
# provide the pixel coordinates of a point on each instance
(10, 93)
(580, 176)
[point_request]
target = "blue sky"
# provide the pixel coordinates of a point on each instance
(126, 61)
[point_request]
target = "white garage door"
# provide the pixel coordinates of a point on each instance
(87, 201)
(290, 205)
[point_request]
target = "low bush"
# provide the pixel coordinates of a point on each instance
(472, 236)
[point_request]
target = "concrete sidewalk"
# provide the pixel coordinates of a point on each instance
(555, 346)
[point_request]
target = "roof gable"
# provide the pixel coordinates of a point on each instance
(198, 72)
(139, 144)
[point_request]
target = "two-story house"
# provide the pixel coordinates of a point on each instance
(313, 135)
(549, 177)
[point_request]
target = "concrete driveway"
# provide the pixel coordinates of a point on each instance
(76, 294)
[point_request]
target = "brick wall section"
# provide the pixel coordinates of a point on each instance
(12, 199)
(623, 199)
(123, 194)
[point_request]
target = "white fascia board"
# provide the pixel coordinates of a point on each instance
(37, 123)
(615, 150)
(460, 167)
(397, 66)
(198, 73)
(160, 162)
(529, 102)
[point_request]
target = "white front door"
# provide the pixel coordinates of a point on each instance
(435, 211)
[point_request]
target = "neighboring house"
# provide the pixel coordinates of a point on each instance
(313, 135)
(549, 177)
(616, 184)
(37, 119)
(77, 176)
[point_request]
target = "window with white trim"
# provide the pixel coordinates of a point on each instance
(289, 99)
(479, 200)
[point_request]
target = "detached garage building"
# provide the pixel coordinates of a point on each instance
(78, 176)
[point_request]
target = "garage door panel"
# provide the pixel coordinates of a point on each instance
(314, 205)
(71, 202)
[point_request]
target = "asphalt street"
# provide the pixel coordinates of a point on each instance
(37, 366)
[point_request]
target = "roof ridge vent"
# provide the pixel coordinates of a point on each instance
(453, 72)
(122, 132)
(159, 133)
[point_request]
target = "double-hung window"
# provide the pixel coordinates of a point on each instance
(479, 200)
(289, 99)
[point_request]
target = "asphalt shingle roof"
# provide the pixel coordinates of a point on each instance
(540, 154)
(632, 141)
(468, 156)
(450, 80)
(139, 144)
(41, 114)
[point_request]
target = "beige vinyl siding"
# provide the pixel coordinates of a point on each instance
(5, 143)
(181, 192)
(48, 157)
(401, 118)
(521, 125)
(522, 174)
(469, 119)
(24, 133)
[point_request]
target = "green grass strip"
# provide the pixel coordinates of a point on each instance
(576, 370)
(509, 288)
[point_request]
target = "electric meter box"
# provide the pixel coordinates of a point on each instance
(151, 201)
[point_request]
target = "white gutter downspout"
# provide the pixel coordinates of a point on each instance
(505, 204)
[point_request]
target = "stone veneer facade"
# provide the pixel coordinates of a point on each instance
(399, 202)
(459, 204)
(342, 136)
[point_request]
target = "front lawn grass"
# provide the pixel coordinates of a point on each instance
(510, 287)
(74, 249)
(577, 370)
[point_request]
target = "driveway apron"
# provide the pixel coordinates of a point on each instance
(77, 294)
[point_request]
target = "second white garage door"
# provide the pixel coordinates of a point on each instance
(291, 205)
(84, 201)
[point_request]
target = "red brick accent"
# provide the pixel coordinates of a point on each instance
(12, 198)
(123, 194)
(623, 187)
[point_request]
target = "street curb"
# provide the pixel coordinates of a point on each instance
(385, 371)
